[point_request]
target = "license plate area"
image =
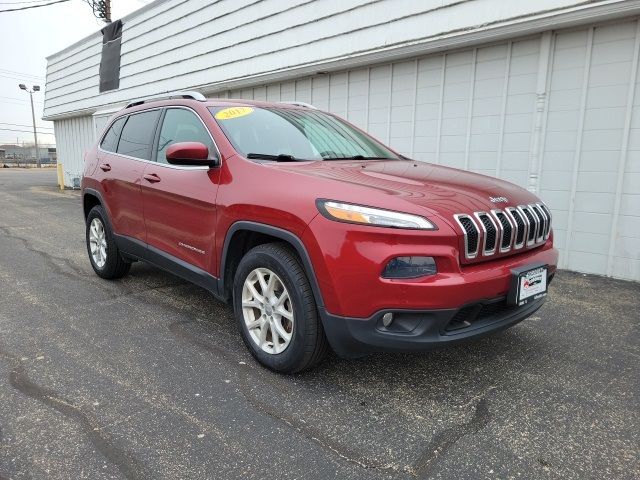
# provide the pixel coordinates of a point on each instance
(528, 283)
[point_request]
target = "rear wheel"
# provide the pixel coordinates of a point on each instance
(276, 310)
(104, 255)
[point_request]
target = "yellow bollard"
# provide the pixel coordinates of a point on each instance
(60, 176)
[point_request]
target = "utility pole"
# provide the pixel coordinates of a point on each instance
(35, 88)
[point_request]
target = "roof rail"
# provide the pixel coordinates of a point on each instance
(300, 104)
(168, 96)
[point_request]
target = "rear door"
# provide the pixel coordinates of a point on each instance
(122, 157)
(179, 201)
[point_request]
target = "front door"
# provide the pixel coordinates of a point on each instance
(180, 201)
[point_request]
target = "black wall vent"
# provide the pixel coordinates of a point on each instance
(110, 60)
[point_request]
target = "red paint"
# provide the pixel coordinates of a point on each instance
(197, 207)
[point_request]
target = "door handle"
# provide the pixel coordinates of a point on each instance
(105, 167)
(151, 177)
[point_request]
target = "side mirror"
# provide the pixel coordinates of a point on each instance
(189, 153)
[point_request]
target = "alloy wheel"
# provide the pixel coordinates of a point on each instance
(98, 242)
(267, 311)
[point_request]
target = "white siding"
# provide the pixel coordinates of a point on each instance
(74, 136)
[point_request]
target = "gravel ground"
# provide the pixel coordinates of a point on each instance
(147, 377)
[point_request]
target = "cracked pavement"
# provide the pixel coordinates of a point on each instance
(147, 377)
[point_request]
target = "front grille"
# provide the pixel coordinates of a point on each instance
(486, 233)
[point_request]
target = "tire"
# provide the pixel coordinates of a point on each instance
(307, 345)
(112, 265)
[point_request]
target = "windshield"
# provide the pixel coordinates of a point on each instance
(287, 134)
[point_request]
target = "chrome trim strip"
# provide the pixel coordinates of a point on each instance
(539, 223)
(486, 252)
(167, 165)
(468, 255)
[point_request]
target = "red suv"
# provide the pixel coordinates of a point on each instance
(319, 235)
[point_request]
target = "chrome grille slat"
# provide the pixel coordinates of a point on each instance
(500, 231)
(490, 233)
(542, 222)
(471, 235)
(506, 230)
(520, 225)
(532, 225)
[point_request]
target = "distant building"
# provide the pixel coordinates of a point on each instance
(11, 153)
(542, 94)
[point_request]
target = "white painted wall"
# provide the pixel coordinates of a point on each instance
(175, 44)
(74, 136)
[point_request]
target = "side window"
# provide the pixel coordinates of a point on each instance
(181, 125)
(110, 139)
(137, 135)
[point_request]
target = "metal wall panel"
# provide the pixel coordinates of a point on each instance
(176, 44)
(74, 136)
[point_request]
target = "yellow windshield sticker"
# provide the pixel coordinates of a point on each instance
(233, 112)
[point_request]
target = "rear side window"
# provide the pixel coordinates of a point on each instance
(180, 125)
(110, 139)
(137, 135)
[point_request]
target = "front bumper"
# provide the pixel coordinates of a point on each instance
(421, 330)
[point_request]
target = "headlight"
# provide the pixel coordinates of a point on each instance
(347, 212)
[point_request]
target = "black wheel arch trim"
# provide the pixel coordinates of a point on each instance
(277, 232)
(98, 195)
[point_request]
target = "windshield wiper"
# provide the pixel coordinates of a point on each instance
(359, 157)
(278, 158)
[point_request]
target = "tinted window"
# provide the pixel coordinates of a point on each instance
(137, 135)
(304, 134)
(110, 140)
(181, 125)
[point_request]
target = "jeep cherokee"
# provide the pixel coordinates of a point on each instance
(319, 235)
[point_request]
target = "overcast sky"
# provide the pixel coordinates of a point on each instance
(28, 36)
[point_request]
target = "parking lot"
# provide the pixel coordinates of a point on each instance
(148, 378)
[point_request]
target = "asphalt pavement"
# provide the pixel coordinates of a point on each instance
(147, 378)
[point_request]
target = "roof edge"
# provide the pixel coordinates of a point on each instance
(86, 39)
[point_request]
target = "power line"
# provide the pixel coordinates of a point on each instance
(25, 131)
(21, 74)
(32, 6)
(18, 77)
(18, 3)
(23, 125)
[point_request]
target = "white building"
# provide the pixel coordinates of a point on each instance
(540, 93)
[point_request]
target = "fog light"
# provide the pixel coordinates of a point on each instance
(387, 318)
(410, 267)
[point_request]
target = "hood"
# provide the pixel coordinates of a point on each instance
(440, 190)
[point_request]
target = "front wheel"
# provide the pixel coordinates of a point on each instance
(276, 310)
